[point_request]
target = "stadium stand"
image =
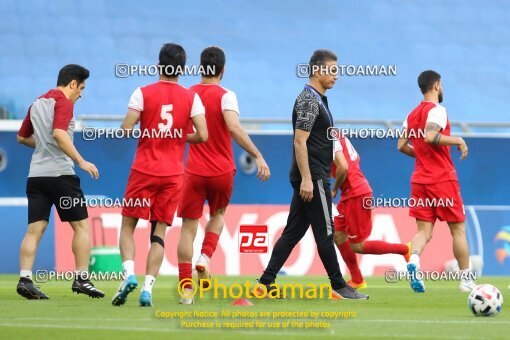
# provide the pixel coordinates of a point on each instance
(467, 42)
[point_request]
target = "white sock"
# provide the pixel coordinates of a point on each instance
(149, 282)
(129, 268)
(415, 259)
(206, 258)
(82, 274)
(465, 274)
(26, 273)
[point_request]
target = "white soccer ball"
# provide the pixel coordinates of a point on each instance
(485, 300)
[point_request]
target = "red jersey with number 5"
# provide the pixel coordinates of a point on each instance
(165, 109)
(355, 183)
(433, 162)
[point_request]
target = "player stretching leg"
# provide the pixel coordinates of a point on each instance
(435, 178)
(164, 110)
(210, 169)
(49, 128)
(354, 222)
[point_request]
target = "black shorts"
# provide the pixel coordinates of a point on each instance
(63, 191)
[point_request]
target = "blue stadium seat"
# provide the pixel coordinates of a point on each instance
(264, 42)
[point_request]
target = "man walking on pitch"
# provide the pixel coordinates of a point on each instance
(309, 177)
(353, 224)
(210, 169)
(164, 110)
(434, 178)
(49, 128)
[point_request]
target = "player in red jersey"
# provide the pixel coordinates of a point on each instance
(434, 178)
(164, 110)
(210, 168)
(354, 222)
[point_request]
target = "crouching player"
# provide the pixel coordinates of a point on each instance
(353, 225)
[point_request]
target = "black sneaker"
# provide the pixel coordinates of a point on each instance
(273, 291)
(347, 293)
(86, 287)
(27, 289)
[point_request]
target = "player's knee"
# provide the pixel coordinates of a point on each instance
(36, 229)
(187, 236)
(357, 247)
(458, 232)
(128, 224)
(158, 240)
(457, 229)
(155, 238)
(189, 226)
(339, 237)
(81, 226)
(428, 236)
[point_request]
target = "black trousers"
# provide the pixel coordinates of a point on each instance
(301, 215)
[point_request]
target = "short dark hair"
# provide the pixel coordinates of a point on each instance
(427, 79)
(173, 56)
(72, 72)
(320, 57)
(212, 58)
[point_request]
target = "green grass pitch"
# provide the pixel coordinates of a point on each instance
(393, 310)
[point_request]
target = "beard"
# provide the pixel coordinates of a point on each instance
(440, 97)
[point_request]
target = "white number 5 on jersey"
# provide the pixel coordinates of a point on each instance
(166, 114)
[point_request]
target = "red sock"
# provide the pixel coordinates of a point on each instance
(381, 247)
(351, 261)
(209, 244)
(185, 273)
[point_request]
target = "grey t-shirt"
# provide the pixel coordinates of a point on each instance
(50, 111)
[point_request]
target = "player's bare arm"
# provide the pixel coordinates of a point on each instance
(341, 172)
(30, 141)
(306, 190)
(433, 136)
(66, 145)
(130, 120)
(201, 134)
(244, 141)
(404, 146)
